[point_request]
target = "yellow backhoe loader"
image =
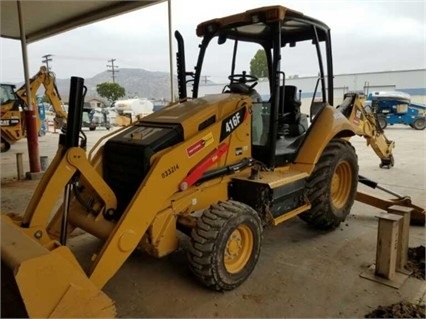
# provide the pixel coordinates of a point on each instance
(12, 103)
(12, 117)
(217, 167)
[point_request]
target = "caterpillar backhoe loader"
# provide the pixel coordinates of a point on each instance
(217, 167)
(12, 118)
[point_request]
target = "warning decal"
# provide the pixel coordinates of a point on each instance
(199, 145)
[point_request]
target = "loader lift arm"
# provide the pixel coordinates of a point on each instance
(366, 124)
(64, 281)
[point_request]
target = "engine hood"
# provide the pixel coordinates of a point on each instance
(195, 115)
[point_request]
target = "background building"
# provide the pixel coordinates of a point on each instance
(412, 82)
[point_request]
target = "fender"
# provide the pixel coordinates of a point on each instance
(330, 123)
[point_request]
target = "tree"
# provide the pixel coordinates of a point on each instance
(259, 64)
(44, 99)
(111, 91)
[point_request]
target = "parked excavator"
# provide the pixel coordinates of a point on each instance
(218, 168)
(12, 103)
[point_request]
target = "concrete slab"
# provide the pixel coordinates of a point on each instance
(302, 272)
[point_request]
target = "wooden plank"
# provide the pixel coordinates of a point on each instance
(387, 245)
(403, 235)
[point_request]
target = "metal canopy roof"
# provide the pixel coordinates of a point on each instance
(43, 19)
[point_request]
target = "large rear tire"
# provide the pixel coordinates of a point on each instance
(331, 188)
(225, 245)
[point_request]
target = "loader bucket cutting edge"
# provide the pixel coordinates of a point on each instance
(51, 283)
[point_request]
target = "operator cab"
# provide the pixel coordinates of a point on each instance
(8, 95)
(259, 47)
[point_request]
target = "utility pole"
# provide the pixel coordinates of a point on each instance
(205, 78)
(46, 60)
(113, 69)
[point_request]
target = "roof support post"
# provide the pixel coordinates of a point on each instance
(30, 113)
(169, 12)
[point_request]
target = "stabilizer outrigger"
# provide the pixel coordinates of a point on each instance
(417, 213)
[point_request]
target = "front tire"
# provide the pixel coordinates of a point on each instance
(419, 124)
(383, 123)
(225, 245)
(331, 188)
(5, 146)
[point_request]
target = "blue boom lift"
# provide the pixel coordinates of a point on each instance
(396, 108)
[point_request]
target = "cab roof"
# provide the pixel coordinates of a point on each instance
(255, 26)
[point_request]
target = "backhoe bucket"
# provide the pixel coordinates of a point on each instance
(50, 282)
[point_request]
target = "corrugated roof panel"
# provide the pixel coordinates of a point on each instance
(47, 18)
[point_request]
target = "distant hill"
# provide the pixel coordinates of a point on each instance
(136, 82)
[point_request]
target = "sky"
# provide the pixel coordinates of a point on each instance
(367, 36)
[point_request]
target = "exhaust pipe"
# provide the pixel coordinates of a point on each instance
(75, 112)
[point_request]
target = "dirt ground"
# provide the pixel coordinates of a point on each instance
(399, 310)
(416, 261)
(301, 273)
(405, 309)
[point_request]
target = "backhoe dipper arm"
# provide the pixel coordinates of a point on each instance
(53, 95)
(366, 125)
(47, 79)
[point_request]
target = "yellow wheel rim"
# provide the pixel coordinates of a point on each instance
(341, 184)
(238, 249)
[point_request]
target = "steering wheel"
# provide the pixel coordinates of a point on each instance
(242, 78)
(239, 83)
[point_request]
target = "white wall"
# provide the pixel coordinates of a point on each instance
(412, 82)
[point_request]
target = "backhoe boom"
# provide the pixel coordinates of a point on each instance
(366, 124)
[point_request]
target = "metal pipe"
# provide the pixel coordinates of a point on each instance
(169, 7)
(181, 66)
(370, 183)
(30, 113)
(275, 79)
(389, 191)
(24, 55)
(75, 113)
(99, 228)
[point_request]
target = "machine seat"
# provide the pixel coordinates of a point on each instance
(289, 115)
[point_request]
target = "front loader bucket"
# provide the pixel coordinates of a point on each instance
(50, 282)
